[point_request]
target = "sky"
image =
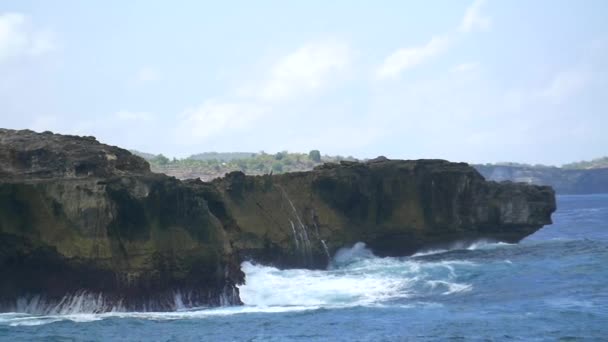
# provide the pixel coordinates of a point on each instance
(475, 81)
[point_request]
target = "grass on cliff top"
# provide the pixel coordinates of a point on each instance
(211, 165)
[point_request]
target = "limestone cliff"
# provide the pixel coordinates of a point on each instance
(79, 216)
(395, 206)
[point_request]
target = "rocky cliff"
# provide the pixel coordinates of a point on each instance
(395, 206)
(77, 215)
(79, 218)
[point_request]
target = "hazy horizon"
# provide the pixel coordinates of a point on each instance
(474, 81)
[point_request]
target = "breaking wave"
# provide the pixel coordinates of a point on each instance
(355, 277)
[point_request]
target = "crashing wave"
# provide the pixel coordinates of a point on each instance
(93, 303)
(356, 277)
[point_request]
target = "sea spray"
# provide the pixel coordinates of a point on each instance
(347, 255)
(84, 302)
(79, 302)
(356, 277)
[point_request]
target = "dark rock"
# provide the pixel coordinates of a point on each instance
(395, 206)
(27, 154)
(79, 217)
(378, 159)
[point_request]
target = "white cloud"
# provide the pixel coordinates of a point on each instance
(566, 84)
(308, 68)
(126, 115)
(148, 74)
(465, 67)
(407, 58)
(214, 118)
(477, 117)
(19, 38)
(473, 18)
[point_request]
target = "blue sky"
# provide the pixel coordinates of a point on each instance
(475, 81)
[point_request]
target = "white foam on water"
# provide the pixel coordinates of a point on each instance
(471, 246)
(23, 319)
(268, 286)
(34, 320)
(483, 244)
(449, 287)
(356, 278)
(348, 255)
(81, 302)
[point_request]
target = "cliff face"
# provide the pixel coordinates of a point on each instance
(396, 207)
(77, 215)
(564, 181)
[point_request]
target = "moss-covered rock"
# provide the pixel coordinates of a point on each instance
(397, 207)
(119, 230)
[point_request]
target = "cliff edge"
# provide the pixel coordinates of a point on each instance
(396, 207)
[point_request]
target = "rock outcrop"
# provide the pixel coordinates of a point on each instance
(79, 218)
(396, 207)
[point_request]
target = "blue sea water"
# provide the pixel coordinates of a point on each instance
(551, 286)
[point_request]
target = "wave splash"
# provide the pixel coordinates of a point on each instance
(355, 277)
(83, 302)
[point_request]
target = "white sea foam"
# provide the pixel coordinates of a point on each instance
(81, 302)
(268, 286)
(348, 255)
(471, 246)
(33, 320)
(356, 278)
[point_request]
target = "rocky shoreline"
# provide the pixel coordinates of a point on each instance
(80, 219)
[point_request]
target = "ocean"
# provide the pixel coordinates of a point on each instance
(550, 287)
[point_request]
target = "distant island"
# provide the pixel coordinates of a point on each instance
(583, 177)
